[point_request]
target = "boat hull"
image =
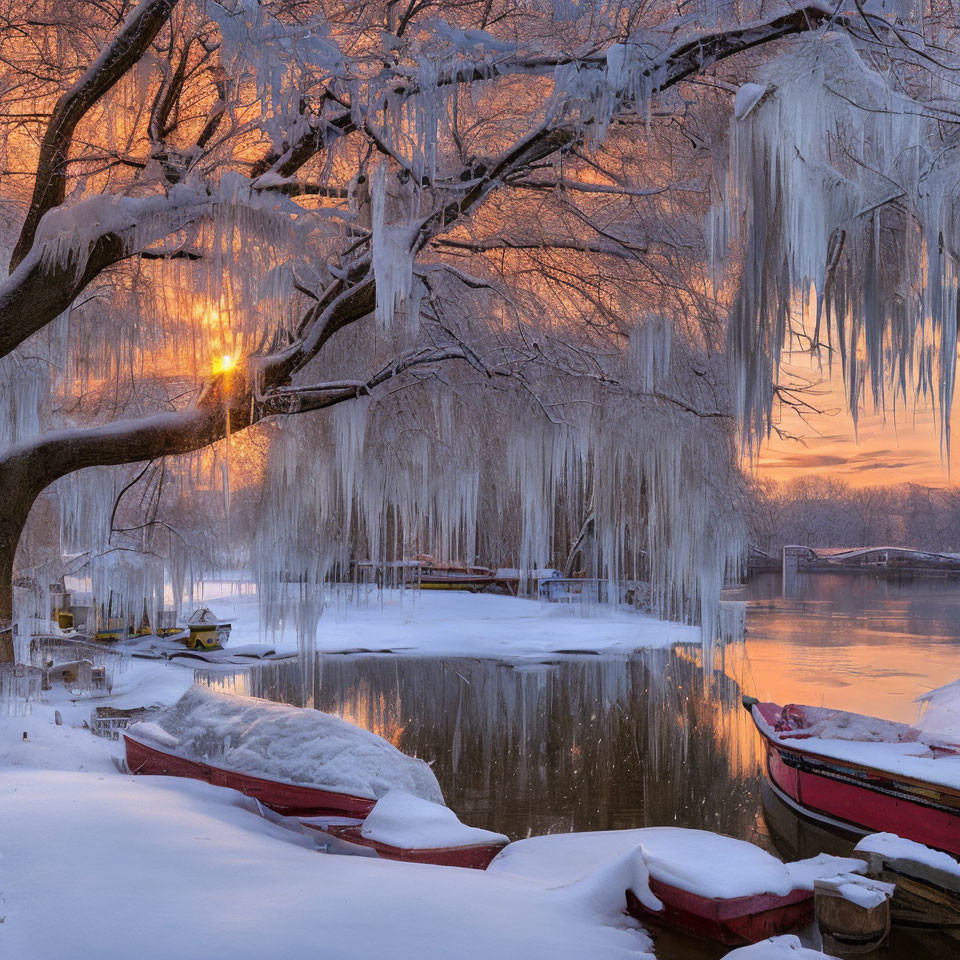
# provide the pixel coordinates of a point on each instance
(440, 582)
(288, 799)
(862, 796)
(474, 856)
(733, 922)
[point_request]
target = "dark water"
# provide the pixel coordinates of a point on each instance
(596, 743)
(593, 743)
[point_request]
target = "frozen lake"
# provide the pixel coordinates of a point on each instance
(604, 742)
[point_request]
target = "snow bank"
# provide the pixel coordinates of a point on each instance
(109, 866)
(280, 742)
(702, 863)
(777, 948)
(941, 713)
(891, 847)
(452, 623)
(403, 820)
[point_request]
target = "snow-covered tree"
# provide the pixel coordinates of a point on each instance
(474, 227)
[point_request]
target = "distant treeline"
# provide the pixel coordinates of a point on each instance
(826, 512)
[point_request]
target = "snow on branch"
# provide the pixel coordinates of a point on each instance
(137, 32)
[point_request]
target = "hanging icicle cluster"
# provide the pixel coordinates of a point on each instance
(466, 474)
(577, 423)
(843, 202)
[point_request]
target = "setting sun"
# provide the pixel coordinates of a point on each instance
(224, 364)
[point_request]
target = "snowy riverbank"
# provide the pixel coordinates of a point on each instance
(101, 863)
(97, 863)
(94, 862)
(453, 623)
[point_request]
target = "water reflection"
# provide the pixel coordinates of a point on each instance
(574, 744)
(849, 641)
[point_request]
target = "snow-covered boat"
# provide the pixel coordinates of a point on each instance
(296, 761)
(705, 884)
(863, 774)
(289, 799)
(407, 828)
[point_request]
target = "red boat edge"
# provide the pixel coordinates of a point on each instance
(733, 922)
(865, 798)
(476, 856)
(288, 799)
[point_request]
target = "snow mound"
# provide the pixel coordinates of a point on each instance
(403, 820)
(703, 863)
(777, 948)
(891, 847)
(841, 725)
(279, 742)
(940, 716)
(603, 890)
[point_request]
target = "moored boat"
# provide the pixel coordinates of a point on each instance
(296, 761)
(289, 799)
(733, 921)
(702, 883)
(411, 829)
(350, 833)
(862, 773)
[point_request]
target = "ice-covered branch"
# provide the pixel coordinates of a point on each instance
(566, 184)
(624, 249)
(134, 38)
(74, 244)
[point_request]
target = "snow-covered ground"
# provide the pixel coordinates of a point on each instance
(100, 864)
(94, 862)
(455, 623)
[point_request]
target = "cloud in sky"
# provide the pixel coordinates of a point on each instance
(901, 447)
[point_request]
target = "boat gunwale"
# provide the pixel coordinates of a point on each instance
(250, 776)
(836, 761)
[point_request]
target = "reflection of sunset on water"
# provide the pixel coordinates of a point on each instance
(602, 743)
(851, 643)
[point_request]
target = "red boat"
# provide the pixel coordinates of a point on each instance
(289, 799)
(349, 833)
(891, 782)
(707, 885)
(734, 922)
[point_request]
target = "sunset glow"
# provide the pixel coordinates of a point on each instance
(881, 449)
(224, 364)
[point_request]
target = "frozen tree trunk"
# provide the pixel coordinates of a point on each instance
(28, 469)
(6, 601)
(17, 496)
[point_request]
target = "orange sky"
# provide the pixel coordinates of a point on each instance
(902, 447)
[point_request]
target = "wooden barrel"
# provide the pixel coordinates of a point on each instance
(853, 913)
